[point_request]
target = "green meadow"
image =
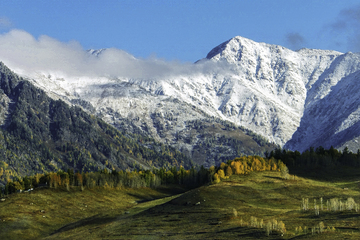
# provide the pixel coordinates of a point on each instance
(242, 206)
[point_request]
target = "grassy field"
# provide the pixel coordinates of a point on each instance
(222, 211)
(44, 211)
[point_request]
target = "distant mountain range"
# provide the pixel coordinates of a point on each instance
(255, 97)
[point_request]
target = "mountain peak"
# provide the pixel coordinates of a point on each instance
(235, 48)
(231, 43)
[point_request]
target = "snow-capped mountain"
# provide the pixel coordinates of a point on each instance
(295, 99)
(307, 98)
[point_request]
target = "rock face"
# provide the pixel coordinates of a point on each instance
(295, 99)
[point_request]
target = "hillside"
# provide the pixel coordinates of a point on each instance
(37, 214)
(39, 134)
(240, 206)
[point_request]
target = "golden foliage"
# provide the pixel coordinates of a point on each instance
(245, 165)
(216, 178)
(229, 171)
(221, 174)
(222, 165)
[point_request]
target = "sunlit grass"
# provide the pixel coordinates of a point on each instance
(36, 214)
(203, 213)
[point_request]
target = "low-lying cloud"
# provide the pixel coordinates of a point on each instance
(27, 55)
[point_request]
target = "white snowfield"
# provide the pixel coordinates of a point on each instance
(296, 99)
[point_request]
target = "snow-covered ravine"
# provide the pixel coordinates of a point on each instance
(296, 99)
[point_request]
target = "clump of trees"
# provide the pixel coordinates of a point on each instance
(192, 177)
(333, 204)
(316, 229)
(270, 226)
(246, 165)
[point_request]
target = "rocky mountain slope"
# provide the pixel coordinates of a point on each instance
(295, 99)
(40, 134)
(301, 99)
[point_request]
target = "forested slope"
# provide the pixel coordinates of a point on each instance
(39, 134)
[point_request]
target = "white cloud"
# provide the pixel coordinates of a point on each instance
(27, 55)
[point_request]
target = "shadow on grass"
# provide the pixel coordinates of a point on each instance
(94, 220)
(329, 174)
(174, 189)
(329, 215)
(169, 190)
(323, 215)
(139, 196)
(244, 232)
(348, 228)
(302, 236)
(105, 219)
(344, 216)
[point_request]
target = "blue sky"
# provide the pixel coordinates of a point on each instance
(186, 30)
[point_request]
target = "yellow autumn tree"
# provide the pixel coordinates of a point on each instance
(66, 182)
(55, 180)
(216, 178)
(228, 171)
(284, 170)
(246, 168)
(256, 165)
(221, 173)
(223, 165)
(236, 166)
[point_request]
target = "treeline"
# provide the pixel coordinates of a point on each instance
(144, 178)
(318, 157)
(114, 179)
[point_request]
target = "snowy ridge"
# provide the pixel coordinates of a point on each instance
(296, 99)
